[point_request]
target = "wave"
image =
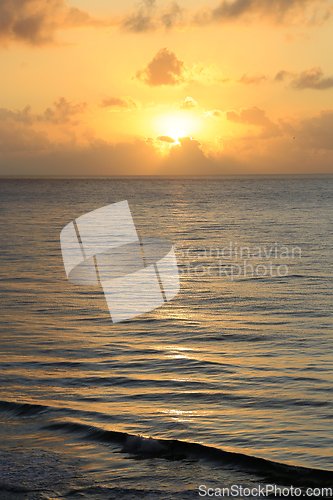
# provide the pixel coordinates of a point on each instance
(173, 449)
(22, 409)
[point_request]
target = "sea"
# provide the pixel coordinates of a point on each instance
(225, 390)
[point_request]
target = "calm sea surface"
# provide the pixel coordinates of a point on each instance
(238, 365)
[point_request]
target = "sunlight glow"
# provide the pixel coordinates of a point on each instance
(175, 125)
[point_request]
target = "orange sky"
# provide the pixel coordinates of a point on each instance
(103, 88)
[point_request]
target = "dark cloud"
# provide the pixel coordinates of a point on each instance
(23, 116)
(120, 102)
(142, 20)
(166, 138)
(255, 116)
(63, 112)
(164, 69)
(36, 21)
(309, 79)
(171, 16)
(188, 103)
(146, 17)
(281, 75)
(275, 10)
(252, 80)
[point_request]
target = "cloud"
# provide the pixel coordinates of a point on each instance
(252, 80)
(315, 133)
(23, 116)
(257, 117)
(20, 130)
(276, 11)
(252, 116)
(17, 139)
(36, 21)
(63, 112)
(142, 19)
(146, 18)
(303, 145)
(188, 103)
(164, 69)
(171, 15)
(206, 75)
(33, 144)
(166, 138)
(187, 156)
(120, 102)
(309, 79)
(17, 134)
(281, 75)
(214, 113)
(122, 158)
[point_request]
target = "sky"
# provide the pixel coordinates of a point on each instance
(98, 87)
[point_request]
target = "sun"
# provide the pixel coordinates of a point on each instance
(176, 133)
(175, 125)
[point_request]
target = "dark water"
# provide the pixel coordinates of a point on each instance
(237, 366)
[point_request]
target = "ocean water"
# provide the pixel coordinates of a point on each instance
(229, 383)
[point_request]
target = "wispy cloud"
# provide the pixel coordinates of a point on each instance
(118, 102)
(214, 113)
(206, 74)
(252, 80)
(274, 11)
(308, 79)
(147, 17)
(63, 111)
